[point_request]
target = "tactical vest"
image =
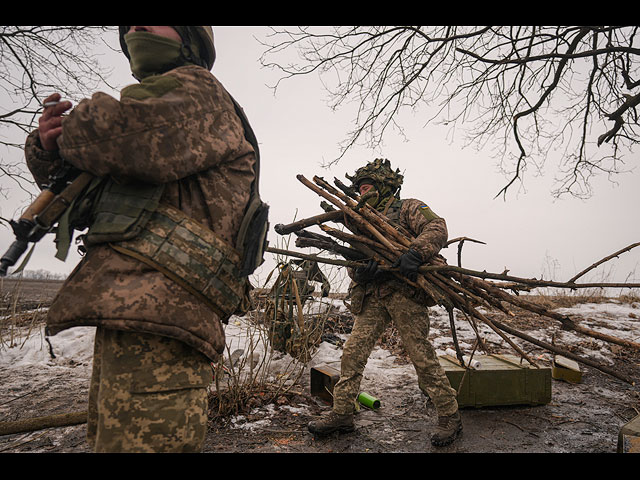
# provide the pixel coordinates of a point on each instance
(393, 212)
(131, 219)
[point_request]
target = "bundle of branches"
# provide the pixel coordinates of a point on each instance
(371, 235)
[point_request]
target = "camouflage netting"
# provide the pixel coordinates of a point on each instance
(382, 175)
(288, 332)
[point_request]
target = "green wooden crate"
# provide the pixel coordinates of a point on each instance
(499, 380)
(629, 437)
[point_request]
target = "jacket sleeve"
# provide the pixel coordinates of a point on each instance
(429, 229)
(40, 162)
(168, 127)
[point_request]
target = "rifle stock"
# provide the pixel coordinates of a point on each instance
(41, 215)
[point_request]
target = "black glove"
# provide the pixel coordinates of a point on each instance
(408, 264)
(366, 273)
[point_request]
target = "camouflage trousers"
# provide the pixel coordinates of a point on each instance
(147, 394)
(412, 322)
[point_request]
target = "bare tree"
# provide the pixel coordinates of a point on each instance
(528, 91)
(36, 61)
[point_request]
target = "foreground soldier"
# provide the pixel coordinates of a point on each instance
(174, 145)
(378, 297)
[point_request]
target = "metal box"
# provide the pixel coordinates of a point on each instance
(323, 379)
(499, 380)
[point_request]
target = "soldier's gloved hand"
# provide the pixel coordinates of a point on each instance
(408, 264)
(366, 273)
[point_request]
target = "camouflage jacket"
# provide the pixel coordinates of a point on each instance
(430, 236)
(179, 129)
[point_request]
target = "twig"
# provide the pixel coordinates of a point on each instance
(308, 222)
(613, 255)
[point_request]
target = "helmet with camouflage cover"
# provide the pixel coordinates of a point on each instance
(204, 53)
(382, 176)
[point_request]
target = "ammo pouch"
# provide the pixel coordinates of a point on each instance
(131, 219)
(120, 212)
(194, 257)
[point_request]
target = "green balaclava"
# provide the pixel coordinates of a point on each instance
(151, 54)
(373, 194)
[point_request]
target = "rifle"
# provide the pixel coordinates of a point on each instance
(40, 218)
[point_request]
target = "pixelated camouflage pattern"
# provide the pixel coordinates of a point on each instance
(147, 394)
(376, 303)
(430, 236)
(412, 322)
(41, 162)
(430, 231)
(193, 256)
(190, 139)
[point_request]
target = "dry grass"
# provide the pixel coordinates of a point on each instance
(565, 300)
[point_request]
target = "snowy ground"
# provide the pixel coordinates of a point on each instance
(27, 366)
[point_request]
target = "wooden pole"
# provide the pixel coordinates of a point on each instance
(40, 423)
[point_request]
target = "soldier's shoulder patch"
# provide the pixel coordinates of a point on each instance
(427, 212)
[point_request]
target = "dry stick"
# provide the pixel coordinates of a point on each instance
(376, 254)
(369, 213)
(315, 258)
(462, 240)
(314, 240)
(356, 218)
(472, 311)
(566, 321)
(370, 209)
(532, 282)
(349, 237)
(456, 345)
(372, 215)
(517, 283)
(464, 291)
(565, 353)
(493, 324)
(308, 222)
(365, 210)
(373, 249)
(613, 255)
(542, 311)
(474, 326)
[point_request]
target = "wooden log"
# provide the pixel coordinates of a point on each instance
(308, 222)
(353, 215)
(40, 423)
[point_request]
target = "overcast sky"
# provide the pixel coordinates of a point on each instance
(530, 233)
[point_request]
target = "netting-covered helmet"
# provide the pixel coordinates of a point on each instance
(379, 172)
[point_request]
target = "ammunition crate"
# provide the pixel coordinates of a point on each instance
(323, 379)
(499, 380)
(629, 437)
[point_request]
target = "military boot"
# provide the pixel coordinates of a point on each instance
(448, 429)
(333, 422)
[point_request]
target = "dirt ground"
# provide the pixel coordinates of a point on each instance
(581, 418)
